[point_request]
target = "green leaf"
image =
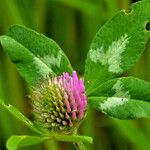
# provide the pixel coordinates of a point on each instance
(124, 98)
(126, 87)
(15, 142)
(42, 47)
(117, 45)
(15, 112)
(65, 138)
(28, 65)
(35, 55)
(120, 107)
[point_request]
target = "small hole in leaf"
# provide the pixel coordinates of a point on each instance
(148, 26)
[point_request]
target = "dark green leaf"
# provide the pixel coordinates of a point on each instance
(35, 55)
(42, 47)
(120, 107)
(117, 45)
(123, 98)
(126, 86)
(28, 65)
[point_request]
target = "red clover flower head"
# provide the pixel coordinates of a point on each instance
(60, 103)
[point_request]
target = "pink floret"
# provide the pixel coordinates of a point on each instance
(74, 94)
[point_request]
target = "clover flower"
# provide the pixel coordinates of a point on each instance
(60, 103)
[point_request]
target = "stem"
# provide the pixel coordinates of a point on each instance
(79, 146)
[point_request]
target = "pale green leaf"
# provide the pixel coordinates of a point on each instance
(15, 142)
(72, 138)
(15, 112)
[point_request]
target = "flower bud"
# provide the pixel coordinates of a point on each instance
(60, 103)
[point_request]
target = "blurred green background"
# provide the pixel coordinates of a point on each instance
(72, 24)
